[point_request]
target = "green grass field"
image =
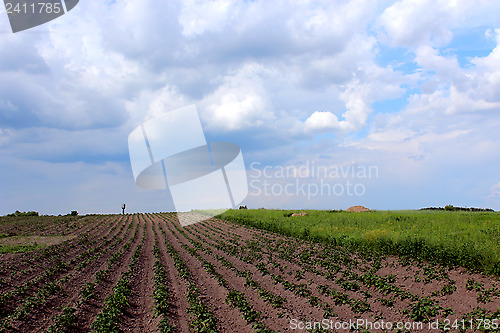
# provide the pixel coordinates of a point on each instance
(468, 239)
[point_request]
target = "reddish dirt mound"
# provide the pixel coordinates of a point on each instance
(357, 209)
(299, 214)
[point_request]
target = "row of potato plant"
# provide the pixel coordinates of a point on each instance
(107, 320)
(202, 318)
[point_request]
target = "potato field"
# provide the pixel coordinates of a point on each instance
(146, 273)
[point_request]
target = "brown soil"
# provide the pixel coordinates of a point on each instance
(229, 319)
(139, 316)
(40, 318)
(357, 209)
(258, 264)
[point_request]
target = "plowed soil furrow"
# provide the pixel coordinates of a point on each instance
(92, 225)
(41, 317)
(225, 229)
(18, 301)
(287, 268)
(229, 320)
(179, 315)
(32, 268)
(402, 274)
(67, 257)
(247, 279)
(86, 311)
(300, 306)
(80, 224)
(277, 316)
(271, 241)
(237, 282)
(139, 315)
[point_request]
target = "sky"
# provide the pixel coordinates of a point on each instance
(387, 104)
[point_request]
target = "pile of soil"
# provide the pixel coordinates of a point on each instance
(299, 214)
(357, 209)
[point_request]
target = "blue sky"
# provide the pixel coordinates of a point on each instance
(411, 88)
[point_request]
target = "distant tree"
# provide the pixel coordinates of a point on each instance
(18, 213)
(74, 213)
(449, 208)
(123, 209)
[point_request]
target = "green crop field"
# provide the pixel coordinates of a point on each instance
(468, 239)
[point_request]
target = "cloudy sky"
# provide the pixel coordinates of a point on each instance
(388, 104)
